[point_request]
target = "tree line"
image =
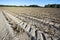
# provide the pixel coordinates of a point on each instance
(46, 6)
(19, 6)
(53, 5)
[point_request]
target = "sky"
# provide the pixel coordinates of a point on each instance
(29, 2)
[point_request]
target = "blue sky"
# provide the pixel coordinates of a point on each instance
(29, 2)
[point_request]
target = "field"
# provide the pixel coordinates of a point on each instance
(41, 13)
(29, 23)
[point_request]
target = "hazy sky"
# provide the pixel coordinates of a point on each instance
(29, 2)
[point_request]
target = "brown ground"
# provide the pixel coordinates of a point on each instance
(41, 13)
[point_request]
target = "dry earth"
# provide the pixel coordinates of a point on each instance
(52, 14)
(27, 23)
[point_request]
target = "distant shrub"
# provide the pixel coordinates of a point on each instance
(34, 6)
